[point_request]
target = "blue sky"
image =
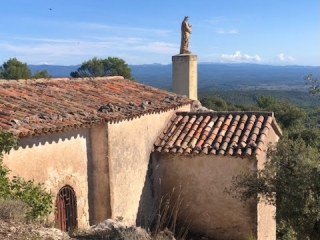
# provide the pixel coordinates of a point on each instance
(68, 32)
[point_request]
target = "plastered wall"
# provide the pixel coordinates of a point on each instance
(200, 181)
(129, 147)
(98, 175)
(266, 212)
(106, 166)
(56, 160)
(185, 75)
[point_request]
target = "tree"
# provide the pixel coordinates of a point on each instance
(110, 66)
(291, 180)
(287, 115)
(291, 177)
(266, 102)
(219, 104)
(315, 84)
(14, 69)
(41, 74)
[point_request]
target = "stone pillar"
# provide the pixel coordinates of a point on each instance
(185, 75)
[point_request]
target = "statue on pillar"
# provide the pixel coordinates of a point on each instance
(185, 36)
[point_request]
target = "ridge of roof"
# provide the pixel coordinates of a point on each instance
(235, 133)
(41, 106)
(35, 80)
(264, 113)
(274, 123)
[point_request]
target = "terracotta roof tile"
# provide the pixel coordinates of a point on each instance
(223, 133)
(32, 107)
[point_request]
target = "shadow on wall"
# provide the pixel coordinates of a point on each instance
(148, 206)
(51, 138)
(70, 141)
(90, 172)
(161, 204)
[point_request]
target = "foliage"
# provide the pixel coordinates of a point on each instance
(250, 97)
(218, 104)
(214, 103)
(291, 177)
(14, 69)
(33, 195)
(311, 136)
(288, 115)
(267, 102)
(293, 173)
(41, 74)
(315, 84)
(7, 142)
(111, 66)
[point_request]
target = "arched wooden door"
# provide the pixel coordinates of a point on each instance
(66, 209)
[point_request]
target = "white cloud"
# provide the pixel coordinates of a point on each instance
(94, 39)
(239, 58)
(35, 50)
(231, 31)
(282, 58)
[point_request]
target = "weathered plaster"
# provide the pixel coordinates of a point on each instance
(55, 160)
(201, 181)
(98, 175)
(266, 213)
(129, 147)
(185, 75)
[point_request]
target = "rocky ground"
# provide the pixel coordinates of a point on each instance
(108, 229)
(22, 231)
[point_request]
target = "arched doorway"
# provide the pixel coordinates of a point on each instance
(66, 209)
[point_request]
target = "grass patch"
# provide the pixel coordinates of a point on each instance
(13, 210)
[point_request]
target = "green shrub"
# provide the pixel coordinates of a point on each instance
(38, 201)
(34, 195)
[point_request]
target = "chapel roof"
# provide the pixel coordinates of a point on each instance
(36, 107)
(219, 133)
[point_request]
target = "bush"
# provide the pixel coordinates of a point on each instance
(37, 200)
(34, 195)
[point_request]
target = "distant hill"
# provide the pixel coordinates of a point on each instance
(55, 70)
(213, 76)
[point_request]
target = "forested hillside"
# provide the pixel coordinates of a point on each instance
(250, 97)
